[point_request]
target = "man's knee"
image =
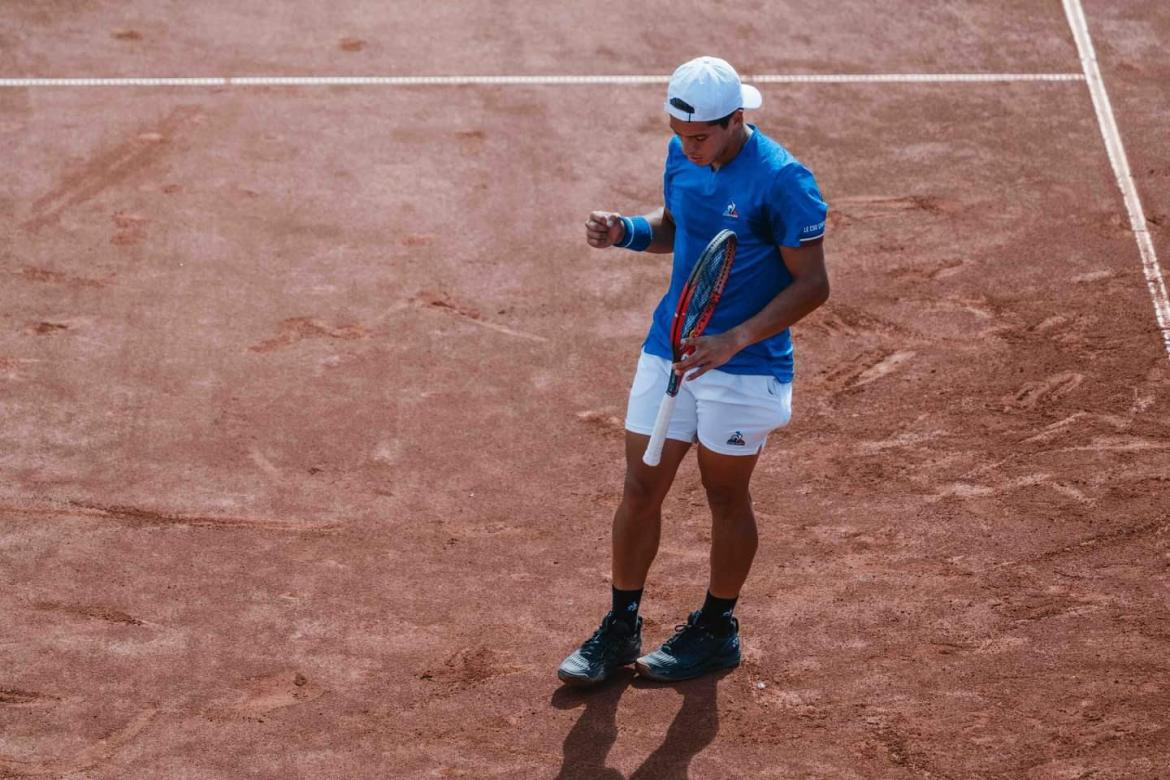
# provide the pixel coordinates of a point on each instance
(727, 500)
(642, 496)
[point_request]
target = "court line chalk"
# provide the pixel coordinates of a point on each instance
(115, 82)
(517, 80)
(1155, 279)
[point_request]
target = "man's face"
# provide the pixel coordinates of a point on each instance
(702, 143)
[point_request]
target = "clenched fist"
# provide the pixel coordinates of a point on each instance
(604, 228)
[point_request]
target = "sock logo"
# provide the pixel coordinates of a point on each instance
(633, 607)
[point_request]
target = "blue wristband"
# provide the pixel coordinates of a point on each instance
(638, 235)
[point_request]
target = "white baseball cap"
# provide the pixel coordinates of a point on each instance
(708, 88)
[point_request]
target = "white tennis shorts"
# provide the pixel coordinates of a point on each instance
(731, 414)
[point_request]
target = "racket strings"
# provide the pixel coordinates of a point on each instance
(707, 285)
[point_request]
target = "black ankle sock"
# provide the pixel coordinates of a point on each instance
(717, 612)
(625, 605)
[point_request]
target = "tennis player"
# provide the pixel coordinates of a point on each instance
(720, 173)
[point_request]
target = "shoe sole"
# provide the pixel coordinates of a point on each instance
(587, 682)
(645, 671)
(578, 682)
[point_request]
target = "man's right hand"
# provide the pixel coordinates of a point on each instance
(604, 228)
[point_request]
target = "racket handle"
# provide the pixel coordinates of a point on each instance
(653, 453)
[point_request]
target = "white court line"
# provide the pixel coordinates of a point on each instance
(119, 82)
(457, 81)
(1155, 279)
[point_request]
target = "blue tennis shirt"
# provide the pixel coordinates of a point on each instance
(770, 200)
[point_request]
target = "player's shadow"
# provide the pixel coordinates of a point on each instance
(693, 729)
(593, 735)
(589, 741)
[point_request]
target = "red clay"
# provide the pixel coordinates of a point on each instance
(310, 408)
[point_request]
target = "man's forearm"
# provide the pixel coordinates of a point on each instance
(791, 305)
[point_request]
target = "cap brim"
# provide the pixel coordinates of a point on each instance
(751, 96)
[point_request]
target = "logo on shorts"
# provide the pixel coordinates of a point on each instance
(737, 438)
(730, 211)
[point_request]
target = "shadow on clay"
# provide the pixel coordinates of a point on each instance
(594, 734)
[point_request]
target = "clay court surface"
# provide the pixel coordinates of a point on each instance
(311, 399)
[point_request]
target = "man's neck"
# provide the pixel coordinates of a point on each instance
(734, 148)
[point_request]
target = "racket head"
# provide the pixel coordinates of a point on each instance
(703, 288)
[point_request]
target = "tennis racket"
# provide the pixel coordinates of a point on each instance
(696, 304)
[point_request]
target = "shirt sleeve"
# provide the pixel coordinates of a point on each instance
(667, 171)
(798, 210)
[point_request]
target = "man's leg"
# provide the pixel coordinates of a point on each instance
(710, 639)
(733, 524)
(637, 523)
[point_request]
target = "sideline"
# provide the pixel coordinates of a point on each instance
(1155, 279)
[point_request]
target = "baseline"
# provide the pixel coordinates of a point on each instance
(519, 80)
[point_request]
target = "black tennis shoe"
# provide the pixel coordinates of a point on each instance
(614, 645)
(693, 651)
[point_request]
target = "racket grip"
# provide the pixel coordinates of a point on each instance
(653, 453)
